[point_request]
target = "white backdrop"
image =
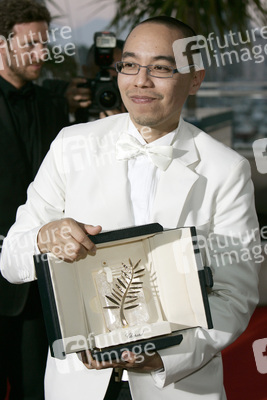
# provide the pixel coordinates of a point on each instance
(83, 16)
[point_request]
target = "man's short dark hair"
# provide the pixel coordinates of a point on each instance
(14, 12)
(171, 22)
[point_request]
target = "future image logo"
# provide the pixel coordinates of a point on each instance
(21, 52)
(187, 53)
(230, 48)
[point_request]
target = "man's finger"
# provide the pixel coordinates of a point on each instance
(83, 239)
(128, 356)
(86, 358)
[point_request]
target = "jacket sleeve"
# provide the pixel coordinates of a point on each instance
(45, 203)
(233, 252)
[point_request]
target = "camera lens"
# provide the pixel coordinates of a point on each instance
(106, 95)
(107, 99)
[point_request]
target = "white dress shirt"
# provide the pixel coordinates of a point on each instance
(143, 177)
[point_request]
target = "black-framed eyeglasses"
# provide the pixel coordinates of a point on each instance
(157, 70)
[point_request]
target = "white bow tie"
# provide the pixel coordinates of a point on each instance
(128, 147)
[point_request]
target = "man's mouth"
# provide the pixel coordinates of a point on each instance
(142, 99)
(36, 65)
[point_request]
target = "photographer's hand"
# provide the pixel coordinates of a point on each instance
(107, 113)
(77, 97)
(67, 239)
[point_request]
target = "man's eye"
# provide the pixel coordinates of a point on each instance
(161, 68)
(28, 45)
(129, 65)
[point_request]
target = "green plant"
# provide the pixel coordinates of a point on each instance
(205, 16)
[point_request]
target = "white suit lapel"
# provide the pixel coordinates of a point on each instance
(175, 183)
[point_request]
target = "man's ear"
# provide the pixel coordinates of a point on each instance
(198, 77)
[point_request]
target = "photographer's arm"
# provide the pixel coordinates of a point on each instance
(76, 95)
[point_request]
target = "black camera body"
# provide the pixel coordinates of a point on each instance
(104, 87)
(105, 92)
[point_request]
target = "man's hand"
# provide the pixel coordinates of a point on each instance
(67, 239)
(130, 361)
(78, 97)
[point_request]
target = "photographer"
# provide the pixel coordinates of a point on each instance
(100, 77)
(30, 117)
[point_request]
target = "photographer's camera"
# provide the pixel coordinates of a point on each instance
(104, 88)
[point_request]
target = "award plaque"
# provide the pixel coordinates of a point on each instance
(143, 286)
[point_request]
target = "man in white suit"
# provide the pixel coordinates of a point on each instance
(92, 178)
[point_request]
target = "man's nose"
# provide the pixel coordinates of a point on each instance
(39, 54)
(143, 79)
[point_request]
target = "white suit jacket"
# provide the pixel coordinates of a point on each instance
(207, 185)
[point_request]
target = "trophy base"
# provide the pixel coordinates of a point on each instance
(132, 334)
(147, 346)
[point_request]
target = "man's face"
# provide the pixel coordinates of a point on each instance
(23, 56)
(154, 102)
